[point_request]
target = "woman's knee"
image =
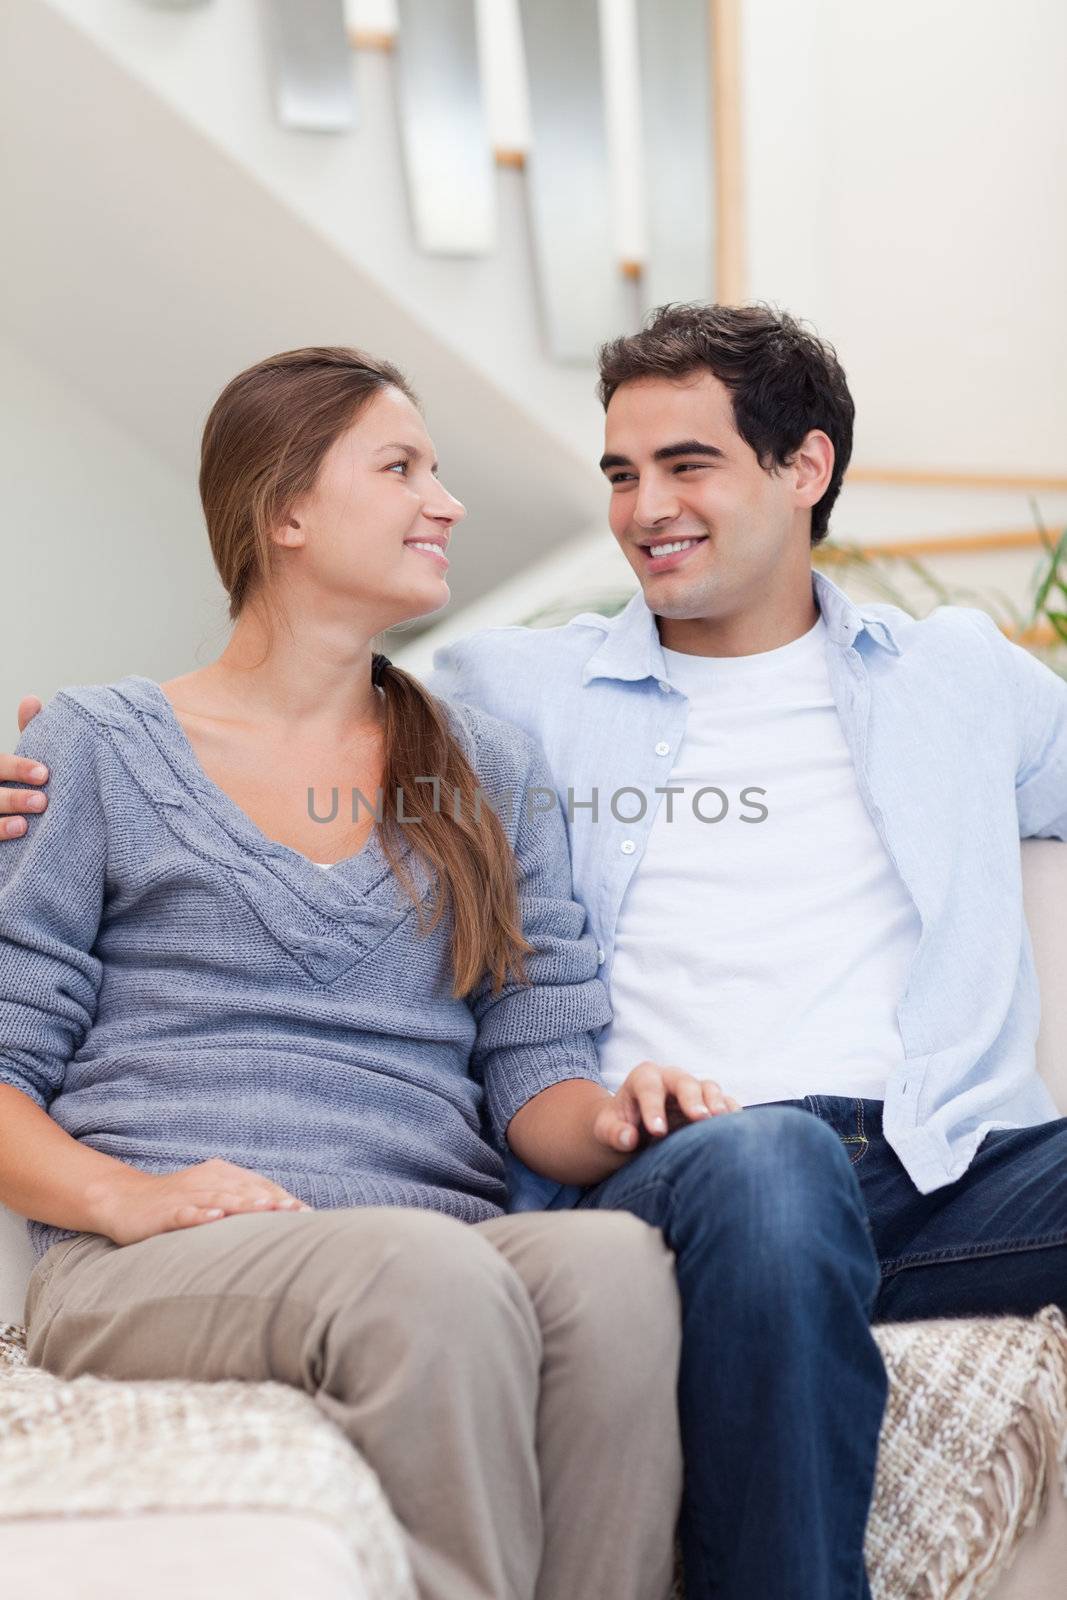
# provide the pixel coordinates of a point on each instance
(612, 1274)
(442, 1277)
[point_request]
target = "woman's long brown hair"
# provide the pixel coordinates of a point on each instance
(262, 447)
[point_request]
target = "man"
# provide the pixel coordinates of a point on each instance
(795, 828)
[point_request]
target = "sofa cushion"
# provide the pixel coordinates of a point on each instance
(1044, 864)
(92, 1447)
(172, 1555)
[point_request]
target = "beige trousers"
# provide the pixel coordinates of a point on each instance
(512, 1382)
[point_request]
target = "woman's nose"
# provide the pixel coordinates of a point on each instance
(447, 508)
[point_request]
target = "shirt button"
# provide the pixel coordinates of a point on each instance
(663, 748)
(627, 847)
(600, 958)
(666, 688)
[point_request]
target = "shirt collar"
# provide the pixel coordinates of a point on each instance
(631, 646)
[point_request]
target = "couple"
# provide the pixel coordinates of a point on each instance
(794, 825)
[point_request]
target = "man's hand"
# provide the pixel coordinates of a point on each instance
(136, 1205)
(14, 803)
(655, 1100)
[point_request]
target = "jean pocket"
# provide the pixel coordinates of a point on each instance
(846, 1116)
(856, 1142)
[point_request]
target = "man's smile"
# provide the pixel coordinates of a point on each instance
(662, 555)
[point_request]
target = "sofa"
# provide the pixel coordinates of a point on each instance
(230, 1489)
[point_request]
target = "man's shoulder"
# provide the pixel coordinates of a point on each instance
(948, 627)
(568, 642)
(521, 674)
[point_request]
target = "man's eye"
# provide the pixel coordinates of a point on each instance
(690, 466)
(620, 477)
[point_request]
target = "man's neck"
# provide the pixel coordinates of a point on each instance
(742, 635)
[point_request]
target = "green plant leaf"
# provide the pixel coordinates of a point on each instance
(1053, 575)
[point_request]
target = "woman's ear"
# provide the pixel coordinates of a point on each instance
(288, 533)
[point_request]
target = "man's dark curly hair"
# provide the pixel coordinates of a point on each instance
(783, 379)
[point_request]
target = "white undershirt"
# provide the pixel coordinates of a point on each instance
(768, 955)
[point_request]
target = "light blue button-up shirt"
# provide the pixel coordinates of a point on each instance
(959, 742)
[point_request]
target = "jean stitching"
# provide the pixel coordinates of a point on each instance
(644, 1187)
(1006, 1247)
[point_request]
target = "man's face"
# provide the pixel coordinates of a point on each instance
(680, 473)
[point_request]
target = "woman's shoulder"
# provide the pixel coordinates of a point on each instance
(491, 744)
(88, 731)
(81, 713)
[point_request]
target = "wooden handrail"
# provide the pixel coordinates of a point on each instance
(724, 33)
(370, 39)
(945, 545)
(938, 478)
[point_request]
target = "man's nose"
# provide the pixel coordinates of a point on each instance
(656, 503)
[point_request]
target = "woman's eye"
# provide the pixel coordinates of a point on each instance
(402, 465)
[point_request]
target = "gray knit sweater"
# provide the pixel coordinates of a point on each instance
(174, 985)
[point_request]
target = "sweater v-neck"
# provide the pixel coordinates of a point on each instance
(357, 874)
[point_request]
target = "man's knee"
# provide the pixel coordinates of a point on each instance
(772, 1183)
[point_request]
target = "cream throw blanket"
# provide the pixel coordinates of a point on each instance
(974, 1440)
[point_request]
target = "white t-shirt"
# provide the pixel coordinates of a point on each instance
(769, 954)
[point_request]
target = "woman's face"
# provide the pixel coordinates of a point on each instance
(375, 507)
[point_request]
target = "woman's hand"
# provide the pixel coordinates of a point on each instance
(14, 803)
(655, 1100)
(146, 1203)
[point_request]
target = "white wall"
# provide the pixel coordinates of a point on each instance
(105, 561)
(906, 166)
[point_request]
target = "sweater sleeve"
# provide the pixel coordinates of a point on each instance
(52, 881)
(534, 1035)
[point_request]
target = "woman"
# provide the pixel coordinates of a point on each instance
(263, 1052)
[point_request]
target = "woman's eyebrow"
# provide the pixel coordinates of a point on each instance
(412, 452)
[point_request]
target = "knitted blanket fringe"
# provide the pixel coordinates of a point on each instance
(974, 1440)
(1014, 1492)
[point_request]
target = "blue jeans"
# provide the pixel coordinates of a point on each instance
(794, 1228)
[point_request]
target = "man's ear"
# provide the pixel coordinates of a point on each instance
(812, 464)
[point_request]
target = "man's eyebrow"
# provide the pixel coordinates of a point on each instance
(688, 447)
(668, 452)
